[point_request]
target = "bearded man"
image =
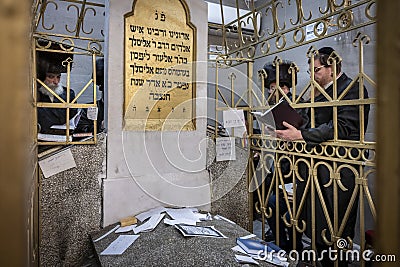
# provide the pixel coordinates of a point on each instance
(53, 116)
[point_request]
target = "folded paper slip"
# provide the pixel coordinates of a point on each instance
(279, 113)
(128, 221)
(256, 246)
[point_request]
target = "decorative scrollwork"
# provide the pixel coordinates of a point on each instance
(67, 44)
(361, 38)
(280, 42)
(253, 19)
(77, 18)
(331, 7)
(45, 4)
(84, 15)
(267, 49)
(345, 19)
(95, 47)
(274, 14)
(302, 38)
(300, 13)
(368, 12)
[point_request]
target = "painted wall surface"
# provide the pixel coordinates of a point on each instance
(147, 169)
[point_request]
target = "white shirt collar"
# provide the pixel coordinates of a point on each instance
(331, 82)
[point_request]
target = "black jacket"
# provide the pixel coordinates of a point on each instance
(348, 116)
(348, 129)
(48, 117)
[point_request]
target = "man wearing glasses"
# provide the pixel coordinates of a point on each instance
(348, 127)
(285, 82)
(348, 118)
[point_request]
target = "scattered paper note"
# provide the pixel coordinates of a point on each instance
(245, 259)
(54, 137)
(57, 163)
(106, 234)
(219, 217)
(119, 245)
(150, 224)
(184, 213)
(179, 221)
(238, 249)
(125, 229)
(201, 231)
(225, 148)
(248, 236)
(147, 214)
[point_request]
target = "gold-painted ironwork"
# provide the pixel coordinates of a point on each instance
(76, 39)
(300, 13)
(336, 155)
(335, 18)
(43, 8)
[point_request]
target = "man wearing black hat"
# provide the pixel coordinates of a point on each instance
(285, 81)
(348, 127)
(285, 84)
(50, 75)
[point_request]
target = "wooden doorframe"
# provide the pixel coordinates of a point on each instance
(18, 153)
(388, 129)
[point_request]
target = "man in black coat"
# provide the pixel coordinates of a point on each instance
(348, 127)
(285, 82)
(48, 117)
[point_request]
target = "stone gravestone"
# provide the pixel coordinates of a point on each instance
(157, 109)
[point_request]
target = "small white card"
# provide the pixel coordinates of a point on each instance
(245, 259)
(150, 224)
(92, 113)
(57, 163)
(179, 221)
(225, 148)
(119, 245)
(233, 118)
(147, 214)
(125, 229)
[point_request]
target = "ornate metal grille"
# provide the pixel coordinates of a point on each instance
(71, 30)
(237, 48)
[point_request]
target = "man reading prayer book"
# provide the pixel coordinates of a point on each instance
(277, 114)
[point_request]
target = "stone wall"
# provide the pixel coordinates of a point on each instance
(229, 194)
(70, 207)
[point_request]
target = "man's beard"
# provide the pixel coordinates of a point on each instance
(58, 89)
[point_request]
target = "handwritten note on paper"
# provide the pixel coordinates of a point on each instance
(119, 245)
(92, 113)
(225, 148)
(57, 163)
(233, 118)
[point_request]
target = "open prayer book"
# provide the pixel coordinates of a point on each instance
(279, 113)
(73, 123)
